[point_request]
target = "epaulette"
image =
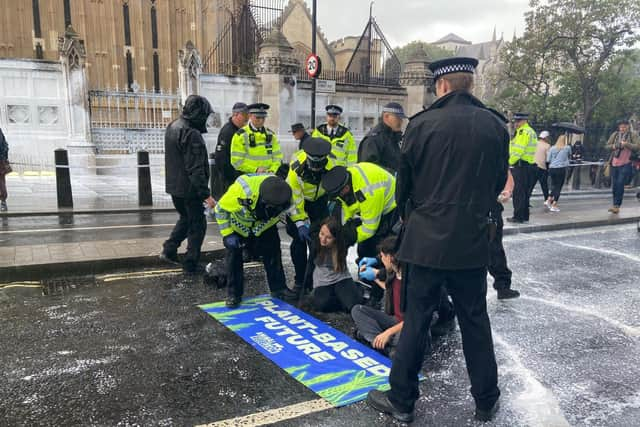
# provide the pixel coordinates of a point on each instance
(498, 114)
(240, 131)
(269, 130)
(417, 114)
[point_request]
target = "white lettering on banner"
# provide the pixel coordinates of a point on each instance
(310, 349)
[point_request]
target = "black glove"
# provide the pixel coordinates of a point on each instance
(350, 231)
(283, 171)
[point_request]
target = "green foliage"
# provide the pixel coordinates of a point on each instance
(410, 50)
(573, 60)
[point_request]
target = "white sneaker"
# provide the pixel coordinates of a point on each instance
(547, 204)
(554, 209)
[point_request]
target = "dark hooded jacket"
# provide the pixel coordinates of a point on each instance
(225, 174)
(4, 147)
(454, 165)
(382, 147)
(186, 159)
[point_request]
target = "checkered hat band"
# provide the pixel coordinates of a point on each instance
(454, 68)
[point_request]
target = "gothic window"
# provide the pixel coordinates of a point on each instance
(156, 72)
(129, 72)
(37, 30)
(39, 52)
(154, 27)
(67, 13)
(127, 28)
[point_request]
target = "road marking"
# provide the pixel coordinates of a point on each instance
(25, 284)
(273, 416)
(603, 251)
(109, 227)
(138, 274)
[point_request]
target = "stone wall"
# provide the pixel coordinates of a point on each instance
(33, 110)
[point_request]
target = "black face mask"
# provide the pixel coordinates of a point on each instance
(317, 165)
(349, 198)
(264, 212)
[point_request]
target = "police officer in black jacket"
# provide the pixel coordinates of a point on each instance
(225, 174)
(187, 180)
(454, 165)
(382, 144)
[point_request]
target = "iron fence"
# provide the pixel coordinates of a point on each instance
(141, 110)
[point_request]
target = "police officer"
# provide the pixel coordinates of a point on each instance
(367, 206)
(382, 144)
(187, 180)
(454, 164)
(255, 148)
(342, 142)
(300, 134)
(305, 174)
(225, 174)
(522, 152)
(247, 215)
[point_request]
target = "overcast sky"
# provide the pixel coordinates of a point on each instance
(403, 21)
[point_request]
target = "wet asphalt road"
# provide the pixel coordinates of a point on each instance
(137, 350)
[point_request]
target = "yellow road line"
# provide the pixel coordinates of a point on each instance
(273, 416)
(16, 285)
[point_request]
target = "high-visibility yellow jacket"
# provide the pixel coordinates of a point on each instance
(343, 146)
(235, 209)
(303, 189)
(523, 145)
(375, 193)
(252, 149)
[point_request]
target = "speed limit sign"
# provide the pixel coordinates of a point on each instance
(313, 65)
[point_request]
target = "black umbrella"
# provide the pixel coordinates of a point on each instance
(569, 127)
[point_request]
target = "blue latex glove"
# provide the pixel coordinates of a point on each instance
(368, 274)
(232, 241)
(304, 233)
(369, 262)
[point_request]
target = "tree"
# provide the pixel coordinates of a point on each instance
(406, 52)
(569, 45)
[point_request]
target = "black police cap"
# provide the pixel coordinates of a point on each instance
(296, 127)
(333, 109)
(456, 64)
(335, 179)
(275, 191)
(259, 109)
(394, 108)
(317, 147)
(520, 116)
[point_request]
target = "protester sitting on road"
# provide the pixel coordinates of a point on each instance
(5, 168)
(381, 329)
(622, 143)
(333, 287)
(558, 158)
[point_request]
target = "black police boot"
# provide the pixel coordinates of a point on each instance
(508, 293)
(380, 401)
(516, 220)
(233, 302)
(485, 415)
(169, 257)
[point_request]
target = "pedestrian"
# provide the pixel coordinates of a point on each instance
(577, 156)
(382, 144)
(225, 174)
(559, 159)
(541, 162)
(454, 164)
(5, 169)
(305, 175)
(247, 215)
(365, 196)
(255, 148)
(498, 267)
(622, 143)
(300, 134)
(341, 139)
(187, 181)
(333, 286)
(522, 150)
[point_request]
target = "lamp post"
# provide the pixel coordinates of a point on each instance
(313, 50)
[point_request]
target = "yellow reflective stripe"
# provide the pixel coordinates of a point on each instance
(367, 230)
(389, 206)
(246, 140)
(364, 177)
(245, 186)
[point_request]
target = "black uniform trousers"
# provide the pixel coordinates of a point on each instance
(191, 225)
(497, 257)
(524, 175)
(267, 245)
(369, 248)
(317, 211)
(468, 289)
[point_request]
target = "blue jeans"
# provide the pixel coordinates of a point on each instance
(619, 176)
